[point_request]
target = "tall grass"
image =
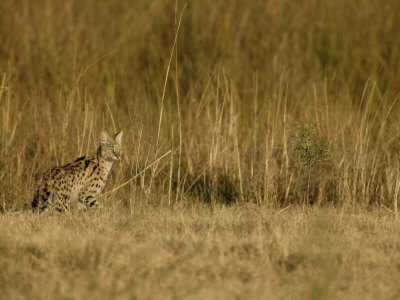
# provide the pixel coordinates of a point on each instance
(242, 76)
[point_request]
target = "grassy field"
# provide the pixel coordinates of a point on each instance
(201, 252)
(261, 147)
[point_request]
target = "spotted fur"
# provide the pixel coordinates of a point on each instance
(81, 181)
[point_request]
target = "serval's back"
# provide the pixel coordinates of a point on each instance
(81, 181)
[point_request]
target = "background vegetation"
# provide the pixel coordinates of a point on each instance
(242, 77)
(265, 102)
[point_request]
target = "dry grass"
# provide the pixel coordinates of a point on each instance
(201, 252)
(219, 86)
(212, 100)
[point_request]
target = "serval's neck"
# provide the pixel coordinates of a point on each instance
(104, 164)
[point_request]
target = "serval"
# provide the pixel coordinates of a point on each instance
(81, 181)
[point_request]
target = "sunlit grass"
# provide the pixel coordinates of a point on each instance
(209, 200)
(200, 252)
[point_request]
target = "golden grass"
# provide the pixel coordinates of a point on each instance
(218, 85)
(201, 252)
(209, 200)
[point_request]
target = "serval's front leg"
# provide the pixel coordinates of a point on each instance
(87, 199)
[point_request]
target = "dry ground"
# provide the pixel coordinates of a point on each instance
(201, 252)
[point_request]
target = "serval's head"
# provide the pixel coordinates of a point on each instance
(110, 148)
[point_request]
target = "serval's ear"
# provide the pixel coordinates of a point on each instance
(118, 137)
(104, 137)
